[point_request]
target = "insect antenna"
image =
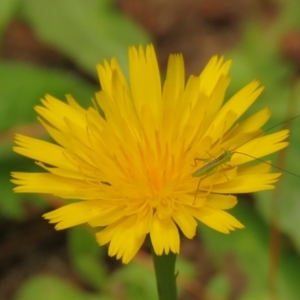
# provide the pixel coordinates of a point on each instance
(212, 166)
(261, 133)
(263, 161)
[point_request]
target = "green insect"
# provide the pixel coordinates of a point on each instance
(211, 166)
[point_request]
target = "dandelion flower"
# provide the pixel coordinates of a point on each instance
(128, 159)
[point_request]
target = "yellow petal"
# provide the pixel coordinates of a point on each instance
(217, 219)
(164, 236)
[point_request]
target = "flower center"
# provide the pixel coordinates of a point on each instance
(165, 208)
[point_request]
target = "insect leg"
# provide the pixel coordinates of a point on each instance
(197, 190)
(197, 159)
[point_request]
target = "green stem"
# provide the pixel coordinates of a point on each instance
(164, 266)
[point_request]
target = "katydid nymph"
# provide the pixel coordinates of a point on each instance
(212, 165)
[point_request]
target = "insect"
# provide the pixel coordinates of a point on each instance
(212, 165)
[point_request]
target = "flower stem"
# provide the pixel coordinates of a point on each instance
(164, 266)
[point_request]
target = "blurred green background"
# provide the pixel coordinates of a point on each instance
(52, 47)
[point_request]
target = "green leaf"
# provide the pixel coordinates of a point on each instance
(136, 281)
(86, 256)
(287, 192)
(7, 10)
(23, 85)
(219, 286)
(86, 31)
(250, 62)
(48, 287)
(21, 88)
(250, 249)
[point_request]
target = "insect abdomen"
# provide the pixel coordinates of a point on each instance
(213, 164)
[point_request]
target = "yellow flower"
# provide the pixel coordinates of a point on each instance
(130, 167)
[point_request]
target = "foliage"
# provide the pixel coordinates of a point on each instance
(86, 32)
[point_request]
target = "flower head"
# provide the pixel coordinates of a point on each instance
(133, 167)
